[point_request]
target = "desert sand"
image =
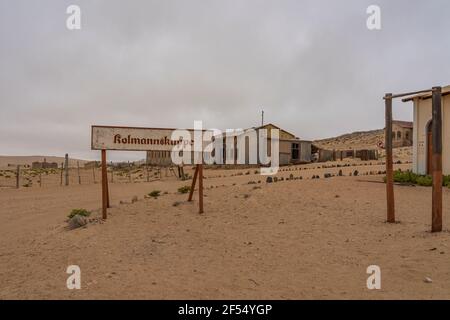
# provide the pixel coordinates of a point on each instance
(295, 239)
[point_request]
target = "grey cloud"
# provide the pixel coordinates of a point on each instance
(312, 65)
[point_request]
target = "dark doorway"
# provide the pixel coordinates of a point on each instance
(295, 151)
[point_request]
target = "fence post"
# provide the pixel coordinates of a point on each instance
(62, 169)
(66, 165)
(78, 169)
(18, 177)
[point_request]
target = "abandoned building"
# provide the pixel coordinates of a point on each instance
(402, 134)
(324, 155)
(422, 136)
(44, 165)
(292, 150)
(159, 158)
(92, 164)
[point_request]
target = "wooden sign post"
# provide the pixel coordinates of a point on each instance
(198, 173)
(436, 220)
(140, 139)
(105, 196)
(436, 161)
(389, 161)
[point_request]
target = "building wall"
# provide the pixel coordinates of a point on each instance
(305, 151)
(160, 158)
(422, 117)
(405, 138)
(285, 150)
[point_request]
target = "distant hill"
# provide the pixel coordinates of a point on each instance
(28, 160)
(355, 140)
(363, 140)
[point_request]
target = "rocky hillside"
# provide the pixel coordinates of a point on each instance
(363, 140)
(355, 140)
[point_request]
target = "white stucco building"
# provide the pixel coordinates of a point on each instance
(422, 137)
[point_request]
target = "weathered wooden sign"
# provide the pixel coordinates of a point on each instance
(136, 139)
(143, 139)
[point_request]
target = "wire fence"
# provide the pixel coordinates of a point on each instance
(26, 177)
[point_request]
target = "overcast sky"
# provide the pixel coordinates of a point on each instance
(313, 66)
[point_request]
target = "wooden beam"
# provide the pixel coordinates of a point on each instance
(200, 188)
(400, 95)
(104, 186)
(194, 180)
(389, 162)
(436, 220)
(107, 189)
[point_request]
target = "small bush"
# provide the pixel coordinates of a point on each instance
(421, 180)
(425, 181)
(446, 181)
(405, 177)
(80, 212)
(155, 193)
(184, 189)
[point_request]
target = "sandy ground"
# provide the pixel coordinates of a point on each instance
(299, 239)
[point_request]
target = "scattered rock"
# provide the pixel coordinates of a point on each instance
(269, 180)
(77, 221)
(176, 203)
(134, 199)
(427, 280)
